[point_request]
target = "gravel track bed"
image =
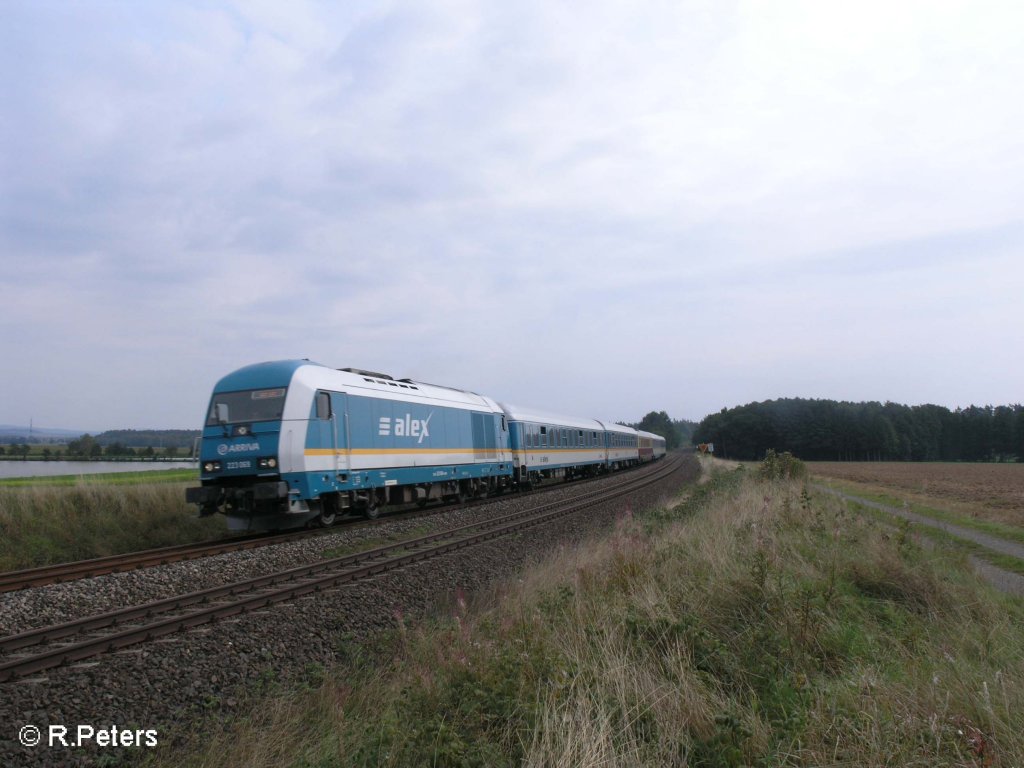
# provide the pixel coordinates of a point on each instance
(57, 603)
(176, 684)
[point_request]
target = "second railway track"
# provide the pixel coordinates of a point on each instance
(57, 645)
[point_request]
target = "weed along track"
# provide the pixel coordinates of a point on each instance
(47, 647)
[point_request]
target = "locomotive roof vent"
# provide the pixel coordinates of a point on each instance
(361, 372)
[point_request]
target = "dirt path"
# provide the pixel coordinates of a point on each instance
(1004, 580)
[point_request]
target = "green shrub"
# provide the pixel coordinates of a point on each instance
(781, 466)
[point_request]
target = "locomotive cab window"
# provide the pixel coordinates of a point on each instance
(246, 406)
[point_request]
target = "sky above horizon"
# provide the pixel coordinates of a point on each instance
(678, 206)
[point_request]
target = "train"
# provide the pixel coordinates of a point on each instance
(292, 443)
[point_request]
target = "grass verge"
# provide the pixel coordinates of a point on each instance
(44, 524)
(751, 624)
(145, 477)
(871, 493)
(1006, 562)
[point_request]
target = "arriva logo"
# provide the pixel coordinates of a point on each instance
(405, 427)
(223, 449)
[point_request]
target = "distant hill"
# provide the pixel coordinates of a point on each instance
(145, 438)
(130, 438)
(10, 433)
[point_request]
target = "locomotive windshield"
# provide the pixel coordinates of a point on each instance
(248, 405)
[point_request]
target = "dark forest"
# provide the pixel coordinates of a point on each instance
(827, 430)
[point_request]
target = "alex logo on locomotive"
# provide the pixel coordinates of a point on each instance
(405, 426)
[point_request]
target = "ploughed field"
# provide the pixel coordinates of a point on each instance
(989, 491)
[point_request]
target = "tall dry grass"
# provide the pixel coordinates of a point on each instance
(40, 525)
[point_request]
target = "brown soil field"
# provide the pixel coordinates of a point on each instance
(991, 491)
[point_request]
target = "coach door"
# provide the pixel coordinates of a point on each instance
(485, 439)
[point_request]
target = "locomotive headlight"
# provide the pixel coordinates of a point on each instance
(212, 466)
(267, 462)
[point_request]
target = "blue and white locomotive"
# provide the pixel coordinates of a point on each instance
(293, 442)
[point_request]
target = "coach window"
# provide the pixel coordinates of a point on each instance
(543, 437)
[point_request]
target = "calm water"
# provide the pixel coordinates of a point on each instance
(49, 468)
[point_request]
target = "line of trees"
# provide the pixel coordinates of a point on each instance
(91, 447)
(16, 449)
(827, 430)
(144, 438)
(676, 432)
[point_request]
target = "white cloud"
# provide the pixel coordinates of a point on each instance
(734, 201)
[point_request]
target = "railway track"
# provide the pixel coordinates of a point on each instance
(130, 561)
(12, 581)
(47, 647)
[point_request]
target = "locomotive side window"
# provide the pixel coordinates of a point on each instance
(323, 405)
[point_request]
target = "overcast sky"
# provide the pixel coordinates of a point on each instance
(598, 209)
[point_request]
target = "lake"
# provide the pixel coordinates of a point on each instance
(50, 468)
